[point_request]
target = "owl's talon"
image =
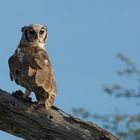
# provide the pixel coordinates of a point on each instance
(17, 94)
(27, 99)
(21, 96)
(37, 105)
(41, 104)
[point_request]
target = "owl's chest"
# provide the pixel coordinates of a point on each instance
(25, 56)
(23, 61)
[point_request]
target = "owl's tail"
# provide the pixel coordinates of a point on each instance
(49, 102)
(45, 98)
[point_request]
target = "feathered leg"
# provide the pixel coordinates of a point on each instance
(45, 99)
(27, 94)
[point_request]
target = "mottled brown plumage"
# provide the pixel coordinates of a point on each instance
(30, 66)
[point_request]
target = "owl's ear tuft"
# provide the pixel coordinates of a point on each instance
(46, 37)
(44, 27)
(23, 28)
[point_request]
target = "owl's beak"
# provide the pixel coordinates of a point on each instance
(36, 36)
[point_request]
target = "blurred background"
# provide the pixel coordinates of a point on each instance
(94, 47)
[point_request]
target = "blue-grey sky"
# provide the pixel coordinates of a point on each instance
(84, 38)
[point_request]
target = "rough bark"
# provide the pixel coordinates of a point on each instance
(24, 120)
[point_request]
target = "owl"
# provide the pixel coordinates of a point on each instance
(30, 66)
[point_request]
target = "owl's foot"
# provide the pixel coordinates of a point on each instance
(38, 105)
(17, 94)
(21, 96)
(26, 97)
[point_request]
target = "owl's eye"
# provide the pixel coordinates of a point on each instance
(41, 32)
(32, 32)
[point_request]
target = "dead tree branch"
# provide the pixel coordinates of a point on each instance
(22, 119)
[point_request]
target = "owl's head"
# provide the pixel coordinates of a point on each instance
(34, 34)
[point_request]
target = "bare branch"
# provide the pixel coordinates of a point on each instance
(24, 120)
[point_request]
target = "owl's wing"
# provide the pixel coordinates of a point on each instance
(44, 79)
(15, 68)
(44, 76)
(36, 61)
(12, 61)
